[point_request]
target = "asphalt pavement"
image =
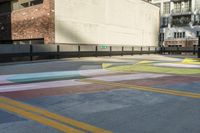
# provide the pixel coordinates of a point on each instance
(122, 94)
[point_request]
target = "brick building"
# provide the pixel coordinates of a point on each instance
(127, 22)
(27, 21)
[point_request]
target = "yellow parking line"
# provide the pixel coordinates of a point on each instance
(54, 116)
(39, 119)
(149, 89)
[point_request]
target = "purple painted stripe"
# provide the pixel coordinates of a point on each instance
(5, 84)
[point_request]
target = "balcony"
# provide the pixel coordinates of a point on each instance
(179, 21)
(186, 11)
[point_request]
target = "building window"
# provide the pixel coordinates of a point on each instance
(165, 22)
(162, 37)
(179, 34)
(187, 7)
(177, 7)
(196, 19)
(18, 4)
(198, 33)
(36, 2)
(174, 34)
(183, 34)
(5, 7)
(26, 4)
(166, 8)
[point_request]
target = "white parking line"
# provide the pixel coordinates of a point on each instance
(129, 77)
(41, 85)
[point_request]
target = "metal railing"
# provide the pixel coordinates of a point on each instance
(9, 53)
(56, 51)
(182, 11)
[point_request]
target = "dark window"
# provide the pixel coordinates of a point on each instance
(196, 19)
(25, 4)
(180, 35)
(183, 34)
(162, 37)
(175, 35)
(36, 2)
(5, 7)
(165, 22)
(198, 33)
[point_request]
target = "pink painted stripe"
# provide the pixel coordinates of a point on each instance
(5, 84)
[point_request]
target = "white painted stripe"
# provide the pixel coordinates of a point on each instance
(94, 72)
(177, 65)
(41, 85)
(129, 77)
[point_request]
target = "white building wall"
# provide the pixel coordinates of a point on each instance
(127, 22)
(197, 3)
(190, 33)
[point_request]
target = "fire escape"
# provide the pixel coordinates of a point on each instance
(182, 13)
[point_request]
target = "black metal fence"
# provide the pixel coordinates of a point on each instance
(35, 52)
(10, 53)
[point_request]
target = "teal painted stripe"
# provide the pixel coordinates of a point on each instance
(45, 76)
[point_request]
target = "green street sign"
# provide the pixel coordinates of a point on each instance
(103, 46)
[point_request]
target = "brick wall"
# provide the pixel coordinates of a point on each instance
(30, 23)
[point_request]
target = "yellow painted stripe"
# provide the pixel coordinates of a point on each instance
(149, 89)
(145, 62)
(39, 119)
(106, 65)
(54, 116)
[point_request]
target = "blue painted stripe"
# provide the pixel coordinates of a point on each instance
(193, 87)
(45, 76)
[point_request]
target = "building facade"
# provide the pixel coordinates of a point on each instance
(111, 22)
(180, 22)
(27, 21)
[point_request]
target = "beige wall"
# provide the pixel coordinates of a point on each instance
(130, 22)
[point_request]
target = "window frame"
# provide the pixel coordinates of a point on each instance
(17, 4)
(166, 8)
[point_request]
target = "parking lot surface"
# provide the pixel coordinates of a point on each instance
(129, 94)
